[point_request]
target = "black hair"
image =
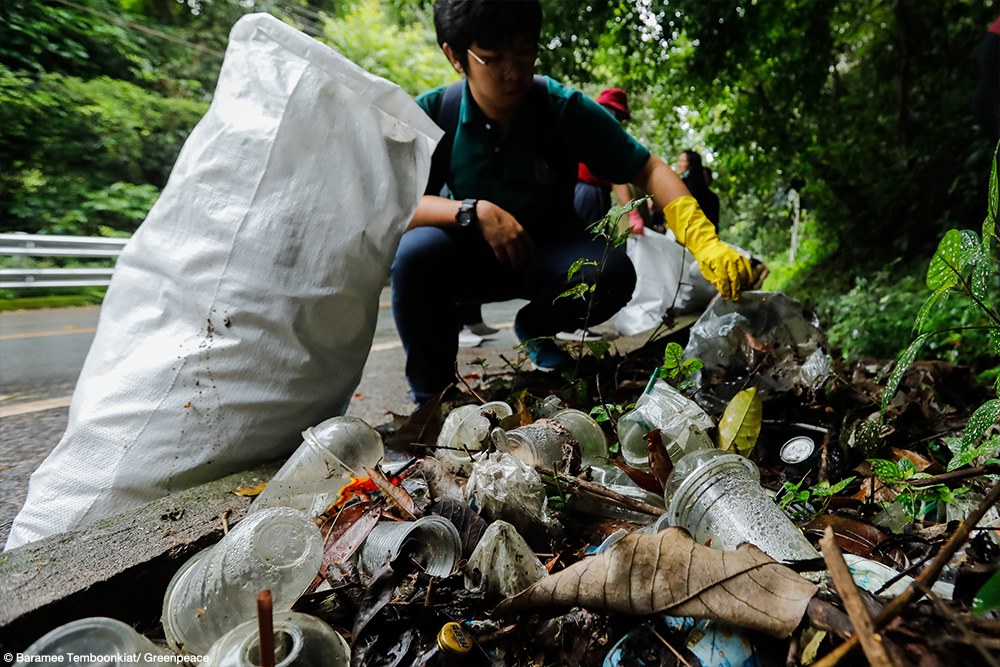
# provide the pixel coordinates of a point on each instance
(695, 165)
(492, 24)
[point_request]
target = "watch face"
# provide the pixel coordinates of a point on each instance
(464, 217)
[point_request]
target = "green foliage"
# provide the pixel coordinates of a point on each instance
(406, 55)
(988, 597)
(806, 504)
(966, 266)
(678, 371)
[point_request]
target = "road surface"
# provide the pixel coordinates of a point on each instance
(42, 352)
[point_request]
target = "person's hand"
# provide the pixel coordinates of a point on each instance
(725, 268)
(511, 244)
(721, 265)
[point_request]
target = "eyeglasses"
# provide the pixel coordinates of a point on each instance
(499, 66)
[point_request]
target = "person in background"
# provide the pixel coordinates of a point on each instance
(693, 172)
(510, 230)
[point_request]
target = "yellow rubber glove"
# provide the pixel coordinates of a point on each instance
(721, 265)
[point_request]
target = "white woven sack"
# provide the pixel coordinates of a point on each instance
(659, 264)
(243, 309)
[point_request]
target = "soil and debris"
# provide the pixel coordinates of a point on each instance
(879, 486)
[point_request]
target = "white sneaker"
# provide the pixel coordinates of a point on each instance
(468, 339)
(579, 336)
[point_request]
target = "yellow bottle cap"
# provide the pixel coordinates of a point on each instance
(453, 639)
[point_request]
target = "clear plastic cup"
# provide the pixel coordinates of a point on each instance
(588, 433)
(331, 454)
(300, 640)
(540, 443)
(470, 429)
(681, 422)
(277, 548)
(99, 637)
(718, 498)
(432, 541)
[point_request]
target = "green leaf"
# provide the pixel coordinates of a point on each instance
(739, 427)
(902, 364)
(887, 471)
(598, 348)
(673, 356)
(577, 265)
(985, 416)
(579, 290)
(988, 597)
(906, 468)
(949, 261)
(989, 225)
(940, 295)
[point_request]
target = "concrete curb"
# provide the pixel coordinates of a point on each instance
(118, 567)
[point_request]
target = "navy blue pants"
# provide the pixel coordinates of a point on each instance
(436, 268)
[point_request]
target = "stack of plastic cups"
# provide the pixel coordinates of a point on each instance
(277, 548)
(94, 641)
(330, 455)
(540, 443)
(432, 541)
(300, 640)
(466, 431)
(718, 498)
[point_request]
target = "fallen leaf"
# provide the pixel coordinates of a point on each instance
(644, 480)
(670, 573)
(659, 462)
(739, 427)
(250, 490)
(853, 536)
(349, 531)
(397, 496)
(470, 525)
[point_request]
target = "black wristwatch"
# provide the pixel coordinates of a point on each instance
(466, 216)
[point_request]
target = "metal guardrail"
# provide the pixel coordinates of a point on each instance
(19, 245)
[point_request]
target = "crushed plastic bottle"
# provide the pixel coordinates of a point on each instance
(682, 424)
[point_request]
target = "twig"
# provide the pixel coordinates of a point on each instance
(604, 493)
(471, 390)
(225, 522)
(669, 646)
(864, 629)
(957, 475)
(967, 634)
(926, 578)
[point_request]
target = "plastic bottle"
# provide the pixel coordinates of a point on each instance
(681, 422)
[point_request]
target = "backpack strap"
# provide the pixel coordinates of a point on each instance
(446, 118)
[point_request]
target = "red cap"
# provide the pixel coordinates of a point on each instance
(616, 99)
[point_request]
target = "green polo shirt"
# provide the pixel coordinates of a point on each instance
(532, 170)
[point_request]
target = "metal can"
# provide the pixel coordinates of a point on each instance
(800, 452)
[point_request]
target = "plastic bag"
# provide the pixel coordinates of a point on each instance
(769, 332)
(667, 276)
(243, 309)
(502, 564)
(504, 487)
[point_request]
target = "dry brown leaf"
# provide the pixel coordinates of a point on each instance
(670, 573)
(659, 462)
(397, 496)
(250, 490)
(644, 480)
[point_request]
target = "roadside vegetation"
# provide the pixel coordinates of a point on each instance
(842, 135)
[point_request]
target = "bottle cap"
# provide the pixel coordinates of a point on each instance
(453, 639)
(797, 450)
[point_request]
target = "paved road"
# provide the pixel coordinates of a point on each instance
(42, 352)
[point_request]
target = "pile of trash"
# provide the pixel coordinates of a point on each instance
(766, 518)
